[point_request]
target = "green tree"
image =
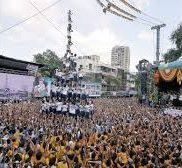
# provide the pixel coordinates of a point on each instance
(113, 82)
(50, 62)
(172, 55)
(176, 38)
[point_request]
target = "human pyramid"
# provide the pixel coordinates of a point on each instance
(68, 97)
(120, 134)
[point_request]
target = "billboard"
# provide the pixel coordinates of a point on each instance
(92, 89)
(42, 86)
(14, 87)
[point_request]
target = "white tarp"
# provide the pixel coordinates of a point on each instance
(173, 112)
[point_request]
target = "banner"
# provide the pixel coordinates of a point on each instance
(15, 87)
(42, 86)
(92, 89)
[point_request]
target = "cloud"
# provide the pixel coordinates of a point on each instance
(99, 41)
(16, 8)
(94, 32)
(37, 34)
(141, 4)
(146, 36)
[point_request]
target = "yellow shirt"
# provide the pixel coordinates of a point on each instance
(53, 141)
(123, 157)
(17, 134)
(167, 162)
(62, 151)
(10, 153)
(62, 165)
(25, 157)
(143, 166)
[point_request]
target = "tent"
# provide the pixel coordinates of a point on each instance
(168, 76)
(171, 65)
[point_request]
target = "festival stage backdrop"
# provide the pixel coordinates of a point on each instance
(168, 80)
(42, 86)
(13, 86)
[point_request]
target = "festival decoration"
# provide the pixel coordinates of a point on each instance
(179, 77)
(168, 74)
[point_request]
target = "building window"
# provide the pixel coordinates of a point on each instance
(81, 66)
(90, 66)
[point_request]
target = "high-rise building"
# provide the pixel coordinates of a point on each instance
(120, 56)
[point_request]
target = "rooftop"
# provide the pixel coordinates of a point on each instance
(15, 64)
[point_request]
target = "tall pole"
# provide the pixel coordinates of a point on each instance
(158, 28)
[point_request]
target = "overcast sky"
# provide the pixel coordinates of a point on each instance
(95, 32)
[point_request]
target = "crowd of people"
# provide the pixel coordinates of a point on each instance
(120, 134)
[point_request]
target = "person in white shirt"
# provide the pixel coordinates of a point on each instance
(82, 110)
(64, 108)
(87, 110)
(59, 107)
(71, 76)
(45, 107)
(72, 109)
(91, 107)
(80, 76)
(64, 93)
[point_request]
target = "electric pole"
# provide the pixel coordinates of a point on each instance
(158, 28)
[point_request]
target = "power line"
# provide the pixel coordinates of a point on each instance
(21, 22)
(130, 6)
(108, 8)
(55, 27)
(100, 3)
(130, 19)
(115, 13)
(146, 24)
(145, 14)
(152, 17)
(40, 12)
(133, 17)
(151, 23)
(119, 9)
